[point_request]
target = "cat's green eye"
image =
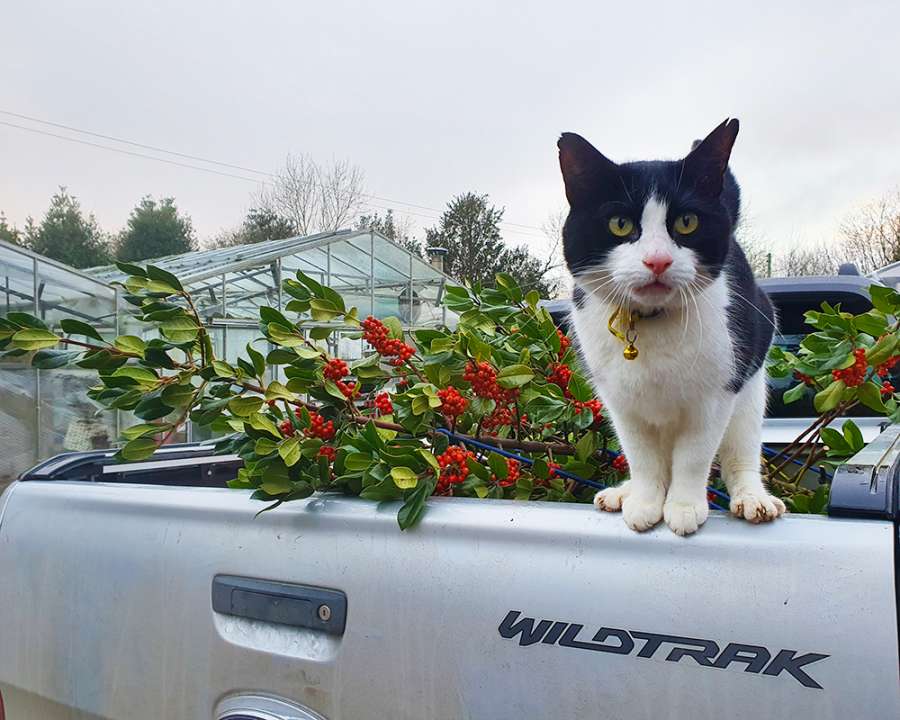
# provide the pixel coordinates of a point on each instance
(686, 224)
(620, 226)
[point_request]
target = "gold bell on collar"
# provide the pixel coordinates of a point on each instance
(628, 335)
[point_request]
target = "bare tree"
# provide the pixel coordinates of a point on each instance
(805, 261)
(312, 197)
(870, 237)
(755, 248)
(554, 261)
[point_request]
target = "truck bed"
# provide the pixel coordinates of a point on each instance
(488, 609)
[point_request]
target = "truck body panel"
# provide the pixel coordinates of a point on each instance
(474, 614)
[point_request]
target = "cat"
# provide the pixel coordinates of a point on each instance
(655, 240)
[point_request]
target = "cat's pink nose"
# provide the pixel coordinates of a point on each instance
(658, 263)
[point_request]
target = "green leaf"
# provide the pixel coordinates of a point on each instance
(138, 449)
(223, 369)
(130, 344)
(277, 391)
(885, 299)
(853, 436)
(513, 376)
(263, 423)
(178, 396)
(414, 507)
(151, 407)
(289, 450)
(179, 329)
(794, 394)
(498, 465)
(835, 441)
(264, 446)
(356, 461)
(430, 459)
(477, 469)
(245, 405)
(136, 431)
(257, 359)
(320, 333)
(34, 339)
(275, 479)
(51, 359)
(586, 446)
(579, 388)
(420, 405)
(394, 327)
(324, 310)
(71, 326)
(157, 273)
(130, 269)
(283, 336)
(798, 503)
(404, 478)
(819, 502)
(870, 396)
(142, 376)
(882, 350)
(829, 398)
(873, 322)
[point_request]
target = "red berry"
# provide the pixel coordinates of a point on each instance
(564, 342)
(335, 369)
(620, 464)
(287, 429)
(319, 427)
(328, 451)
(452, 403)
(383, 403)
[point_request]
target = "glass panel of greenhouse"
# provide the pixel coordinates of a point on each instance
(45, 412)
(370, 272)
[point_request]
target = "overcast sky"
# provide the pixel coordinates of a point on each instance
(433, 99)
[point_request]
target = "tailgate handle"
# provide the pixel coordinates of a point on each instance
(302, 606)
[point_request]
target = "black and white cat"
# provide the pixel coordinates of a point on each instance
(655, 240)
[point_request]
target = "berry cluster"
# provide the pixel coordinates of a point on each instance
(856, 373)
(452, 403)
(564, 342)
(335, 369)
(512, 474)
(454, 468)
(383, 403)
(484, 383)
(319, 427)
(347, 388)
(328, 451)
(287, 428)
(620, 464)
(887, 365)
(559, 374)
(595, 406)
(887, 388)
(376, 334)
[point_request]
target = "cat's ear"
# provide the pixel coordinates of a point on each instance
(585, 169)
(708, 159)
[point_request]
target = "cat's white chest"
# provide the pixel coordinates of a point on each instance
(682, 355)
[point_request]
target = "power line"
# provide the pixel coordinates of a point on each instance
(531, 228)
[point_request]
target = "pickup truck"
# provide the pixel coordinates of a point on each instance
(148, 590)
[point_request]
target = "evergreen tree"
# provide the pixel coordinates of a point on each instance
(469, 230)
(9, 233)
(388, 226)
(66, 235)
(155, 229)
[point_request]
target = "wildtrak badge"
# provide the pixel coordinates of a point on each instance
(706, 653)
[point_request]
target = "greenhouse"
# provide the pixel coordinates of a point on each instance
(43, 413)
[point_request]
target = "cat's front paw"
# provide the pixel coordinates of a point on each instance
(757, 507)
(685, 518)
(611, 499)
(641, 513)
